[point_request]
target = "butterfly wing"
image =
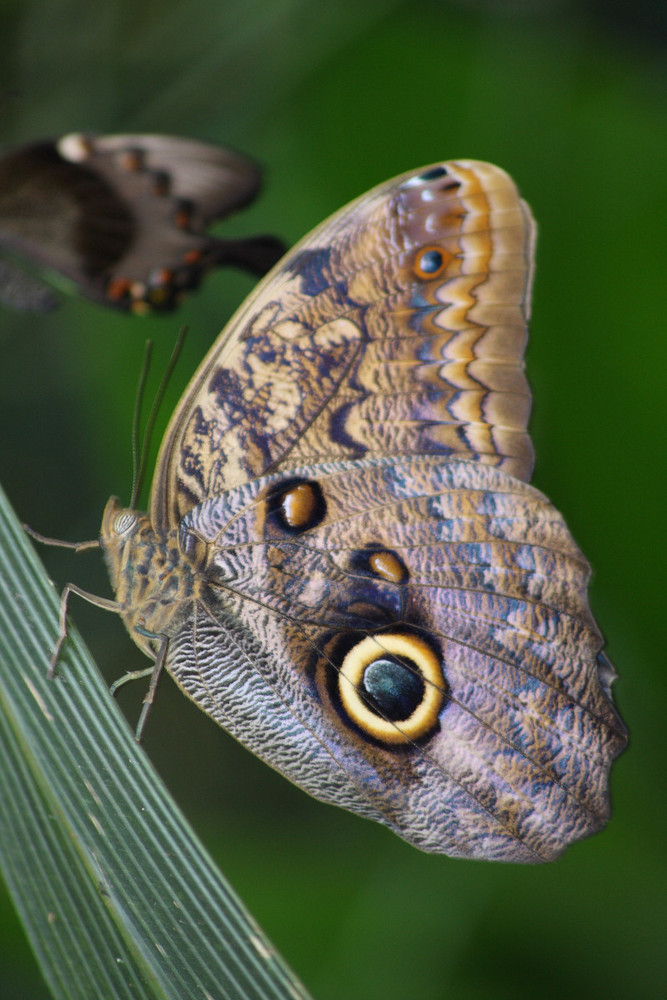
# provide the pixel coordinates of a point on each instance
(397, 327)
(124, 217)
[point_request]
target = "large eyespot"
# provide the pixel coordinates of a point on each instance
(430, 262)
(392, 687)
(297, 504)
(124, 522)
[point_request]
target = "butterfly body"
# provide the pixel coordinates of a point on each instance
(343, 560)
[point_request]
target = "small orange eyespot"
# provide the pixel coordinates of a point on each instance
(192, 256)
(118, 288)
(182, 218)
(131, 160)
(430, 262)
(296, 505)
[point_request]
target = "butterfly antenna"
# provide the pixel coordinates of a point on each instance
(140, 458)
(136, 418)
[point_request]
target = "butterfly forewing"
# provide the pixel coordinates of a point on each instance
(397, 327)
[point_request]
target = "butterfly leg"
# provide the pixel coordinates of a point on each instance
(131, 675)
(156, 673)
(71, 588)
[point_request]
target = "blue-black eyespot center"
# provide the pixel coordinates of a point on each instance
(430, 261)
(391, 689)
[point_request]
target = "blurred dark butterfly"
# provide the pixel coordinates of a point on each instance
(123, 218)
(344, 563)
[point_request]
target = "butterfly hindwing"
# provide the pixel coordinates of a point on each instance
(511, 760)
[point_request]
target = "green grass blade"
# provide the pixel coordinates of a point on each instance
(116, 894)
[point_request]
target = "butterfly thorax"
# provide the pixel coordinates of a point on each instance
(152, 581)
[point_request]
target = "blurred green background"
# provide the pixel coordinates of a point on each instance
(333, 98)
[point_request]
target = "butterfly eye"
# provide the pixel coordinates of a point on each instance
(298, 506)
(124, 522)
(392, 687)
(430, 262)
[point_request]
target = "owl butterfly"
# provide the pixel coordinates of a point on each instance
(344, 564)
(123, 217)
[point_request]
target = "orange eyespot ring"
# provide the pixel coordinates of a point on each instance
(392, 687)
(430, 262)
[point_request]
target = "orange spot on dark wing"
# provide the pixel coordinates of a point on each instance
(131, 160)
(182, 218)
(118, 288)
